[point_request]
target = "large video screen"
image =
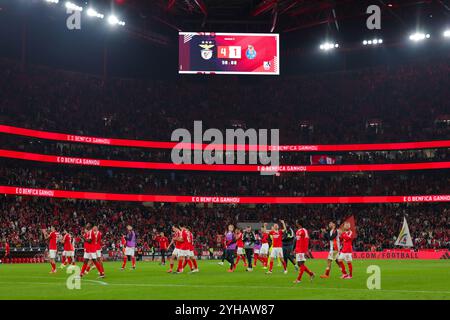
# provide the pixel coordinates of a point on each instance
(229, 53)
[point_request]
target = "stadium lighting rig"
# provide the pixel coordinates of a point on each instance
(328, 46)
(446, 33)
(419, 36)
(52, 1)
(113, 20)
(73, 6)
(373, 42)
(93, 13)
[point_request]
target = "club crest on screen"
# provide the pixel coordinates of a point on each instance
(206, 51)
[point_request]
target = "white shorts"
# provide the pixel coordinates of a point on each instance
(264, 249)
(176, 252)
(332, 255)
(240, 251)
(184, 253)
(300, 257)
(99, 253)
(191, 253)
(347, 257)
(90, 255)
(276, 253)
(68, 253)
(52, 254)
(129, 251)
(256, 251)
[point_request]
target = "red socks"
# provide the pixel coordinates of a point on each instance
(83, 268)
(99, 267)
(255, 259)
(284, 265)
(195, 264)
(125, 258)
(343, 267)
(53, 266)
(63, 260)
(180, 266)
(133, 262)
(300, 274)
(271, 265)
(350, 269)
(327, 272)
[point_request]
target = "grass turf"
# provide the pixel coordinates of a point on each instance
(400, 279)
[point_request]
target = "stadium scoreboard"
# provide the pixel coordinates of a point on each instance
(229, 53)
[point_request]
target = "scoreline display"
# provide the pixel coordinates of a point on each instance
(229, 53)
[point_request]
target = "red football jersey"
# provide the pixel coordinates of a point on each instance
(98, 240)
(277, 236)
(90, 247)
(239, 241)
(178, 244)
(301, 245)
(163, 243)
(265, 238)
(68, 245)
(52, 240)
(185, 244)
(347, 238)
(190, 239)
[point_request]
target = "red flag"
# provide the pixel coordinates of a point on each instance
(352, 222)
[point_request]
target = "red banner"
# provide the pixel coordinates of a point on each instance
(23, 191)
(219, 167)
(391, 255)
(170, 145)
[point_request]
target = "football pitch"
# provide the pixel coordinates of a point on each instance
(400, 279)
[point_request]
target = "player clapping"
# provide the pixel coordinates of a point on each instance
(346, 251)
(332, 235)
(52, 237)
(277, 247)
(129, 248)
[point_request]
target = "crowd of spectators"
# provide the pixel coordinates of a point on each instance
(22, 219)
(385, 104)
(393, 183)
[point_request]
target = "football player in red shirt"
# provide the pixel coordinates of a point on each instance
(183, 252)
(90, 251)
(7, 249)
(163, 245)
(98, 249)
(177, 242)
(301, 249)
(277, 245)
(52, 237)
(346, 238)
(240, 248)
(69, 250)
(190, 259)
(264, 251)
